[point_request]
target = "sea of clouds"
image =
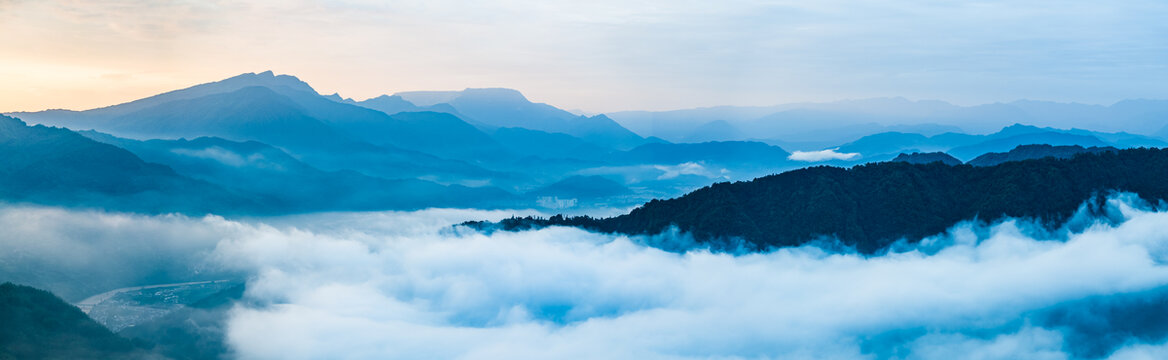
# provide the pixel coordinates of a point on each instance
(408, 285)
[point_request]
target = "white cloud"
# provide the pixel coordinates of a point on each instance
(406, 285)
(1142, 352)
(216, 153)
(1028, 343)
(566, 293)
(230, 158)
(686, 168)
(822, 155)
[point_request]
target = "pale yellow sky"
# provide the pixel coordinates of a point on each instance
(602, 55)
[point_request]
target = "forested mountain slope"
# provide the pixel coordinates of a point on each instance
(56, 166)
(35, 324)
(871, 206)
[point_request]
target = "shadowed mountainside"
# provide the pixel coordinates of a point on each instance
(927, 158)
(256, 168)
(59, 167)
(39, 325)
(1029, 152)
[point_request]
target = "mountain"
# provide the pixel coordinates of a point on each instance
(808, 121)
(59, 167)
(246, 107)
(1121, 140)
(393, 104)
(872, 206)
(751, 153)
(1163, 133)
(274, 109)
(256, 168)
(1030, 152)
(386, 104)
(252, 113)
(496, 108)
(547, 145)
(435, 133)
(798, 121)
(676, 125)
(285, 112)
(888, 142)
(927, 158)
(1007, 143)
(39, 325)
(582, 187)
(718, 130)
(95, 118)
(965, 146)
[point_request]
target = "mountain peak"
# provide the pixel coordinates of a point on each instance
(927, 158)
(9, 125)
(1018, 128)
(267, 79)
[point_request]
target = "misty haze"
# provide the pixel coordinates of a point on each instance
(583, 180)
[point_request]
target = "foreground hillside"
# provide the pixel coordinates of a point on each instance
(871, 206)
(39, 325)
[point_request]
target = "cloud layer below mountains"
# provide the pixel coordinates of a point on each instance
(821, 155)
(406, 285)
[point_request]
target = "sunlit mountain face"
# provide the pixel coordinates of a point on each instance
(612, 181)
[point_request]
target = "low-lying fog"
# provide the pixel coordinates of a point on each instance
(408, 285)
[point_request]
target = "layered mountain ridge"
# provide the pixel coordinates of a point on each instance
(492, 147)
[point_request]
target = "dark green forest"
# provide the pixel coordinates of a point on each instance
(871, 206)
(35, 324)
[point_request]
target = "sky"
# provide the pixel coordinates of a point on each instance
(596, 56)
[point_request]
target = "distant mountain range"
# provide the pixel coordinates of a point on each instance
(293, 186)
(506, 108)
(1020, 153)
(1031, 152)
(883, 146)
(59, 167)
(870, 207)
(837, 121)
(264, 141)
(927, 158)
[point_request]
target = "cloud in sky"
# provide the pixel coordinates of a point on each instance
(597, 55)
(821, 155)
(406, 285)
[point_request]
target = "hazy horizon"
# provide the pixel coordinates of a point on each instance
(590, 112)
(597, 57)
